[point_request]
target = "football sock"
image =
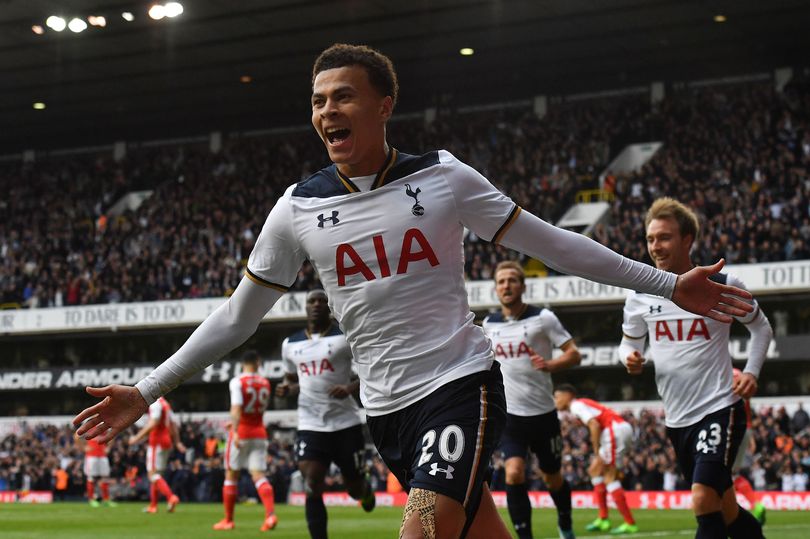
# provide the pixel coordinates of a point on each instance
(600, 490)
(711, 526)
(266, 494)
(520, 509)
(153, 494)
(163, 487)
(617, 493)
(743, 486)
(316, 517)
(91, 489)
(562, 499)
(105, 491)
(230, 492)
(745, 526)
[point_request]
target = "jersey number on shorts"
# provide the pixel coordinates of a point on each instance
(708, 441)
(451, 444)
(257, 400)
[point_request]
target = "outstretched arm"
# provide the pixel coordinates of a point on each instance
(226, 328)
(575, 254)
(761, 335)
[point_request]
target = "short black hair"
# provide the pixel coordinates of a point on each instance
(568, 388)
(381, 73)
(251, 356)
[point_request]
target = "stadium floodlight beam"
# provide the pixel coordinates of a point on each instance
(55, 23)
(38, 30)
(127, 16)
(466, 51)
(157, 11)
(173, 9)
(77, 25)
(97, 20)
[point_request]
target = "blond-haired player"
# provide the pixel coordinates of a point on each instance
(705, 415)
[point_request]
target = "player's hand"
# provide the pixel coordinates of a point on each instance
(745, 385)
(121, 407)
(132, 440)
(180, 447)
(282, 390)
(237, 443)
(339, 391)
(539, 362)
(634, 363)
(695, 293)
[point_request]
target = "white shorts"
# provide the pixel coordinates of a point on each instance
(251, 454)
(615, 442)
(742, 451)
(96, 467)
(157, 459)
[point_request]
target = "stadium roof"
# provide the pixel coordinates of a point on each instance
(181, 76)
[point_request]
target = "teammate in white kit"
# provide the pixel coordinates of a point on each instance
(523, 338)
(247, 442)
(317, 367)
(611, 438)
(705, 416)
(384, 230)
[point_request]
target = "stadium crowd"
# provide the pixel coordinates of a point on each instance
(739, 154)
(45, 457)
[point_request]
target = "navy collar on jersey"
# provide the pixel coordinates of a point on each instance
(527, 312)
(379, 180)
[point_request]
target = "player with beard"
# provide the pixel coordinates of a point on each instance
(385, 232)
(523, 337)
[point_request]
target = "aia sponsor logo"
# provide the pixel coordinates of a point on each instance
(682, 330)
(415, 248)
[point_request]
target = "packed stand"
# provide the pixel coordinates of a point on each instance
(740, 156)
(34, 458)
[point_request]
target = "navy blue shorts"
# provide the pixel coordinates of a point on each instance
(713, 443)
(443, 443)
(540, 433)
(346, 448)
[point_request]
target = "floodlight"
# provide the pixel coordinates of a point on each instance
(173, 9)
(77, 25)
(157, 11)
(57, 24)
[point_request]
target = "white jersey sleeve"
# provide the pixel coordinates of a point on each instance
(235, 387)
(575, 254)
(761, 333)
(634, 328)
(583, 412)
(286, 361)
(277, 256)
(155, 411)
(480, 206)
(554, 329)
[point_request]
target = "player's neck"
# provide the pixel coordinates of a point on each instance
(318, 327)
(514, 310)
(368, 165)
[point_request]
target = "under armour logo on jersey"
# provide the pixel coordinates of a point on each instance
(448, 472)
(416, 209)
(655, 309)
(334, 219)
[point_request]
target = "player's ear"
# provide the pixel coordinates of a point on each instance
(386, 108)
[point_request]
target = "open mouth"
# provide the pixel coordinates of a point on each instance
(336, 135)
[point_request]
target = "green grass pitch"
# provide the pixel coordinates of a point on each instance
(79, 521)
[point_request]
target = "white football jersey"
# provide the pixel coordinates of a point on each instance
(528, 391)
(690, 354)
(391, 261)
(320, 362)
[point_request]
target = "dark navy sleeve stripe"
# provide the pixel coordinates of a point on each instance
(264, 282)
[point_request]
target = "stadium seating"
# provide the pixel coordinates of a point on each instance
(739, 154)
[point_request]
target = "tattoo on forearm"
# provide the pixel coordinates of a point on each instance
(424, 502)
